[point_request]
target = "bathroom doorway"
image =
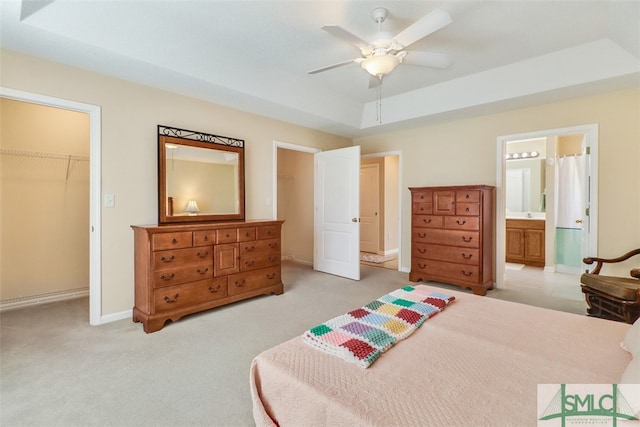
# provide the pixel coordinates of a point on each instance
(533, 164)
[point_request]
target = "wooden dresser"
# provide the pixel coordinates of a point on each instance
(184, 269)
(452, 236)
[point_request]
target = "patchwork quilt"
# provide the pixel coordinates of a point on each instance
(362, 335)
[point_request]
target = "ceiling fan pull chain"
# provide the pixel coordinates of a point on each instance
(379, 105)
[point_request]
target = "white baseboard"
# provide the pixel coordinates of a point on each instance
(22, 302)
(127, 314)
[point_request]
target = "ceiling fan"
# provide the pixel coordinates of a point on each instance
(386, 52)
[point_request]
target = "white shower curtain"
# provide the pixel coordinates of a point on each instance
(569, 205)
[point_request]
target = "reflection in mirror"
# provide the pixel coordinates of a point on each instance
(199, 180)
(525, 183)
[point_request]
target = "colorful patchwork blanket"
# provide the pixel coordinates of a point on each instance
(362, 335)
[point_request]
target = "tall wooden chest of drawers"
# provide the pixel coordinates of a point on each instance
(184, 269)
(452, 236)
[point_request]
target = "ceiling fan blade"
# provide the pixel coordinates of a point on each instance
(345, 36)
(374, 81)
(330, 67)
(428, 59)
(424, 26)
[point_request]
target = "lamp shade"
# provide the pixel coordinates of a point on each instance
(380, 65)
(192, 207)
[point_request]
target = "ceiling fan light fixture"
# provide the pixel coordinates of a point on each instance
(380, 65)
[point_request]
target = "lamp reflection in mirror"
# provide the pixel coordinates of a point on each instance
(192, 208)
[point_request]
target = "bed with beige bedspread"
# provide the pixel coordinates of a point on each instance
(478, 362)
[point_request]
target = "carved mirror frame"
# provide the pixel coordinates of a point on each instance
(195, 142)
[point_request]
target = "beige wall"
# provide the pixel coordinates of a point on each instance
(44, 205)
(464, 152)
(295, 203)
(130, 115)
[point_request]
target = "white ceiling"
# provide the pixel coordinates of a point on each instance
(255, 55)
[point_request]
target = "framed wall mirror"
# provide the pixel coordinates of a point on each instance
(200, 177)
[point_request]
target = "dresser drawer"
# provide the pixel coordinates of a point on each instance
(468, 256)
(430, 221)
(472, 196)
(257, 260)
(446, 270)
(422, 196)
(203, 238)
(260, 246)
(252, 280)
(190, 273)
(268, 232)
(464, 208)
(229, 235)
(467, 239)
(422, 208)
(186, 295)
(462, 223)
(179, 257)
(178, 240)
(246, 234)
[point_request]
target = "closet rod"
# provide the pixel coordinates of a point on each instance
(42, 155)
(560, 156)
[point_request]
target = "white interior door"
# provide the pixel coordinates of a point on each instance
(370, 207)
(337, 212)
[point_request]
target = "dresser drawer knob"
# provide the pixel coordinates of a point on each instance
(273, 245)
(467, 210)
(463, 222)
(171, 301)
(174, 240)
(240, 283)
(467, 239)
(248, 263)
(202, 271)
(213, 291)
(167, 260)
(422, 235)
(422, 265)
(271, 276)
(467, 196)
(465, 256)
(206, 238)
(202, 255)
(422, 250)
(228, 235)
(466, 273)
(169, 277)
(249, 248)
(427, 221)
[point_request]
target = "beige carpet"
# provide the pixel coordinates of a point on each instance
(56, 370)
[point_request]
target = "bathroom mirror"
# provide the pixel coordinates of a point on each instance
(200, 177)
(525, 187)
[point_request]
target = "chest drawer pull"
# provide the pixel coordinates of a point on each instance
(270, 276)
(466, 273)
(240, 283)
(206, 238)
(463, 222)
(213, 291)
(200, 255)
(427, 221)
(249, 248)
(174, 240)
(167, 260)
(273, 259)
(273, 245)
(465, 256)
(422, 235)
(467, 239)
(422, 250)
(202, 271)
(422, 265)
(170, 301)
(248, 263)
(167, 278)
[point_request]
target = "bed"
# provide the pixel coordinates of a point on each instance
(478, 362)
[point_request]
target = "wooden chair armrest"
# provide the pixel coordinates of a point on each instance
(600, 261)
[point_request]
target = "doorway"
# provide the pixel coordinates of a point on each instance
(543, 200)
(95, 314)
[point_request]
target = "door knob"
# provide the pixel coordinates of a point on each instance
(578, 221)
(354, 219)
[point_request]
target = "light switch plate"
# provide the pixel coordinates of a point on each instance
(109, 201)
